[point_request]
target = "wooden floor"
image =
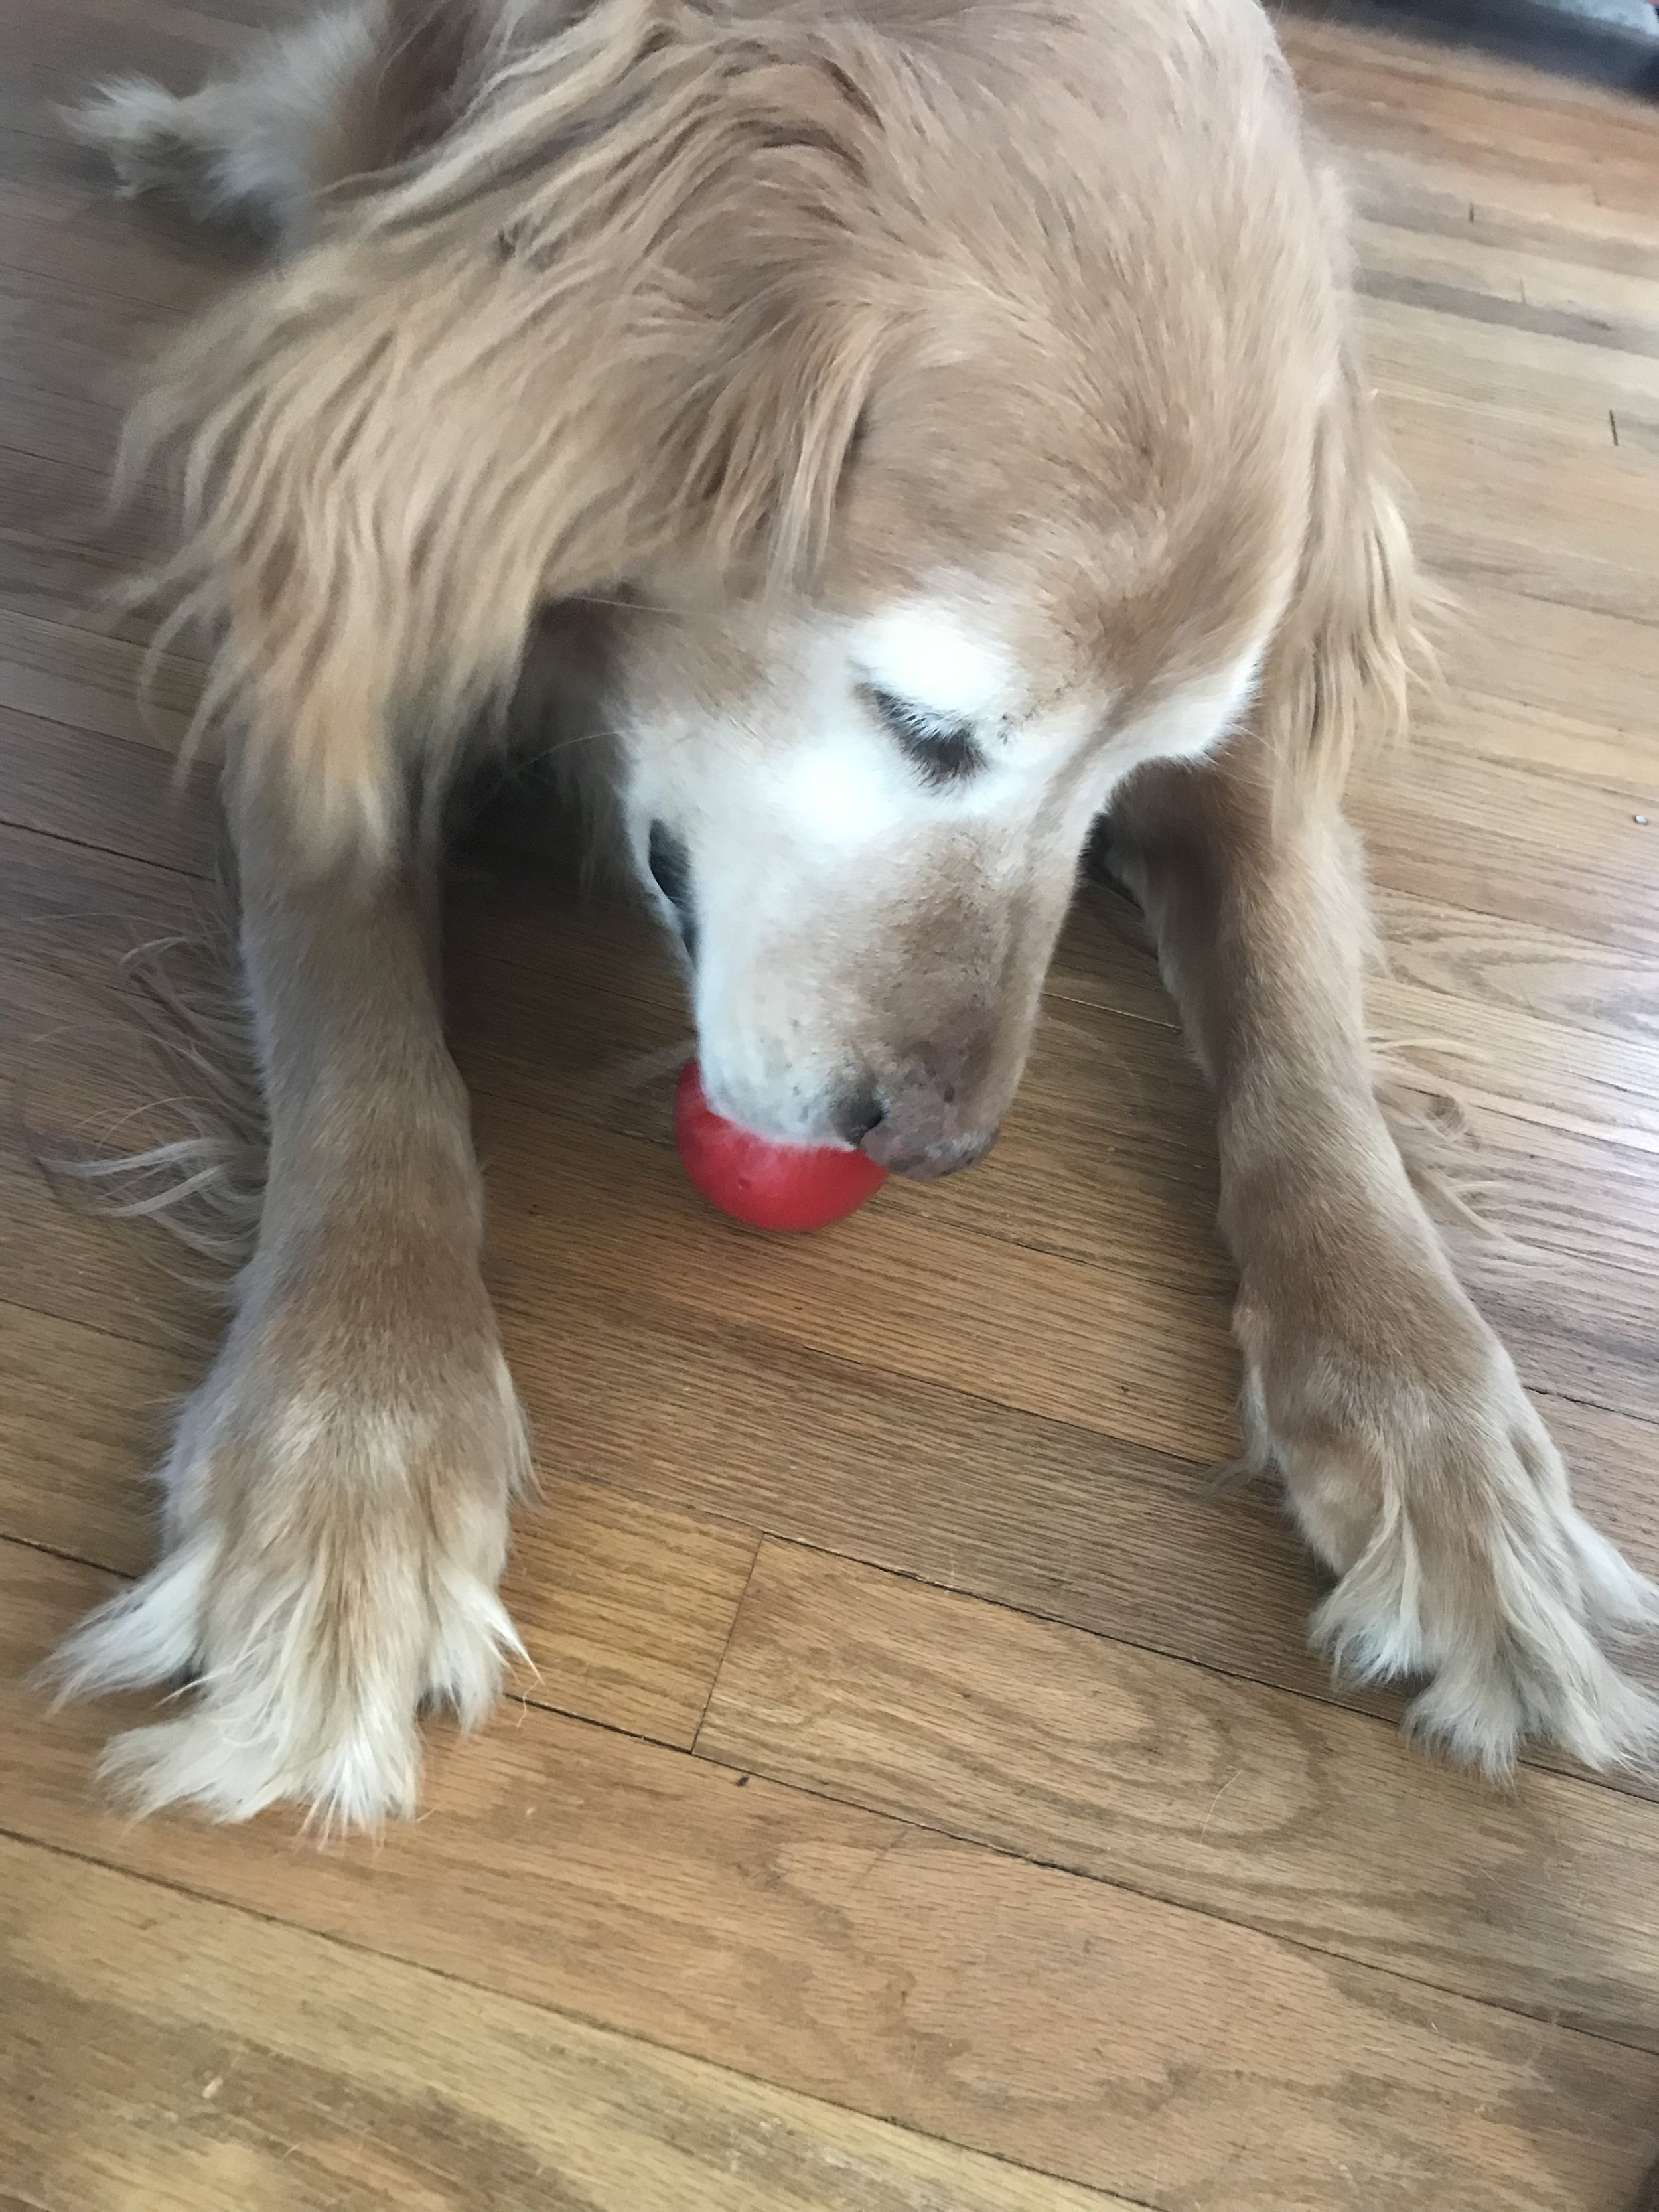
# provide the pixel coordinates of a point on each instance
(924, 1799)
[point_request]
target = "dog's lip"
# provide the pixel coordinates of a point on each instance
(742, 1118)
(931, 1166)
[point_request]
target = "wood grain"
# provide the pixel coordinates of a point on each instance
(1120, 2042)
(624, 1607)
(1486, 824)
(1177, 1783)
(224, 2061)
(93, 789)
(94, 681)
(73, 1462)
(1479, 969)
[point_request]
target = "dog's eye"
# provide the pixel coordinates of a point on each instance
(945, 750)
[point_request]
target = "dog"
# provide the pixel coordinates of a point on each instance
(899, 435)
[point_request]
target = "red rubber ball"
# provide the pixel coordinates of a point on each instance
(793, 1187)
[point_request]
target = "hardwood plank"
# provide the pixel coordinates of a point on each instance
(1539, 145)
(1522, 845)
(1587, 674)
(1428, 352)
(58, 1261)
(1036, 2014)
(92, 682)
(1548, 274)
(1472, 78)
(1579, 1327)
(1523, 1026)
(60, 223)
(1104, 1345)
(1591, 333)
(107, 792)
(48, 419)
(1520, 507)
(1582, 229)
(1558, 1188)
(1107, 1162)
(61, 553)
(1603, 756)
(1282, 1814)
(69, 364)
(624, 1605)
(1080, 1529)
(1109, 1152)
(1494, 967)
(1401, 163)
(579, 1212)
(83, 1415)
(1514, 1064)
(162, 2052)
(1611, 1458)
(82, 1074)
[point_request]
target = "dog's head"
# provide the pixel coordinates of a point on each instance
(1026, 424)
(862, 814)
(948, 423)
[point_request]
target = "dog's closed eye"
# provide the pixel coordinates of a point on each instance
(943, 747)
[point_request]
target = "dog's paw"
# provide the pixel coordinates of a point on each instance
(1511, 1625)
(333, 1567)
(1432, 1489)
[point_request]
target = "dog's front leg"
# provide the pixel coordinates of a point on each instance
(338, 1490)
(1412, 1457)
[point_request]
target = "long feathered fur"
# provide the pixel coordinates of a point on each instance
(393, 450)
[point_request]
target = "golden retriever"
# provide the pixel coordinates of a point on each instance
(899, 433)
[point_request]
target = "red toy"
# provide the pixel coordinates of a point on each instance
(768, 1186)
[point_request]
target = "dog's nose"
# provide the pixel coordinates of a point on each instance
(926, 1121)
(858, 1117)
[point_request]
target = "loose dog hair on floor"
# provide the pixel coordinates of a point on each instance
(890, 436)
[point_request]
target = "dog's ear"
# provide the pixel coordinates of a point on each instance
(1351, 644)
(614, 329)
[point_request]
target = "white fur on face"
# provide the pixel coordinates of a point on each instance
(821, 854)
(937, 658)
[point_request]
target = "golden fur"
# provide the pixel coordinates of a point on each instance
(890, 430)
